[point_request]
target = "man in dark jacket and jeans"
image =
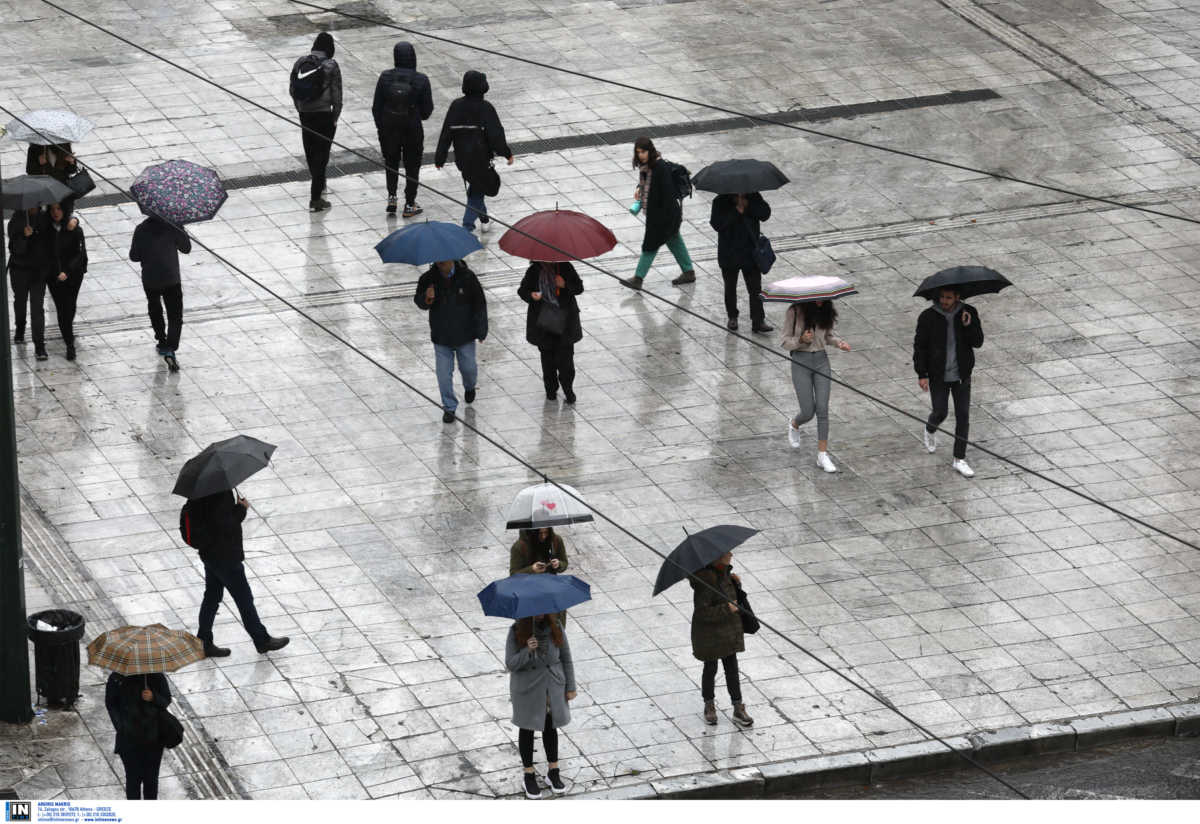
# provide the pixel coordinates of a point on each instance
(403, 98)
(451, 294)
(318, 113)
(156, 245)
(223, 555)
(736, 219)
(473, 126)
(948, 333)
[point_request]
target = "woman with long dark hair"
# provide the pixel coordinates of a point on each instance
(550, 288)
(807, 327)
(655, 195)
(537, 550)
(64, 262)
(541, 682)
(717, 635)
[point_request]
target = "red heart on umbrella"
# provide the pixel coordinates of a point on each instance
(549, 505)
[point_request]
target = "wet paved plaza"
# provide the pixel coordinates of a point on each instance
(999, 601)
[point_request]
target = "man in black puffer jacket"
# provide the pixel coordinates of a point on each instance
(403, 98)
(450, 292)
(474, 128)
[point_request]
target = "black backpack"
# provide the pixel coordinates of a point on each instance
(308, 78)
(681, 180)
(194, 530)
(399, 97)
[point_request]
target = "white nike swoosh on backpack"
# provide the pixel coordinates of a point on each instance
(302, 75)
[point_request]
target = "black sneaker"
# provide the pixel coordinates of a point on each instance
(70, 351)
(163, 350)
(40, 353)
(412, 210)
(270, 644)
(447, 417)
(556, 782)
(19, 335)
(731, 324)
(469, 396)
(762, 327)
(211, 650)
(568, 397)
(391, 205)
(634, 283)
(318, 205)
(552, 396)
(532, 790)
(687, 277)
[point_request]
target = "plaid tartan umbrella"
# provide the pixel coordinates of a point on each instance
(143, 650)
(179, 192)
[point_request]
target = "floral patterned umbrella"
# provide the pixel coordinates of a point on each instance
(49, 126)
(179, 192)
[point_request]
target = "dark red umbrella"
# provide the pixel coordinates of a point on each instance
(575, 233)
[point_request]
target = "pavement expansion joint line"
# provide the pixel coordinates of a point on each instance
(49, 558)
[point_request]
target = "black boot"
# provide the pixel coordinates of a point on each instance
(270, 644)
(19, 335)
(211, 650)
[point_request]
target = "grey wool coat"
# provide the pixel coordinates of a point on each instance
(537, 677)
(716, 632)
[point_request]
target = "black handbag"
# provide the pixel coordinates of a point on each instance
(81, 182)
(552, 319)
(491, 182)
(749, 622)
(170, 730)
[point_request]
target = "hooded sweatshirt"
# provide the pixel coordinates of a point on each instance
(156, 245)
(420, 95)
(330, 98)
(474, 128)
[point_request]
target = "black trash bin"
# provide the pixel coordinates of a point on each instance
(56, 655)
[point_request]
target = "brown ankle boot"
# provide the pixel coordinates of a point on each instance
(710, 712)
(740, 717)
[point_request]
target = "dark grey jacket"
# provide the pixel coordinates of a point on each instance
(405, 58)
(330, 99)
(539, 677)
(458, 314)
(156, 245)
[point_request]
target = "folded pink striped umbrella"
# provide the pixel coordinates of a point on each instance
(143, 650)
(805, 288)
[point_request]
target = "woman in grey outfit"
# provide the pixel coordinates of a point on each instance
(541, 681)
(807, 328)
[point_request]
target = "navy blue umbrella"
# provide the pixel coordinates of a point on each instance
(520, 596)
(428, 242)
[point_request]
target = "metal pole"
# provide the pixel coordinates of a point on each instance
(15, 696)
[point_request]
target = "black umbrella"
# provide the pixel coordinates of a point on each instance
(731, 177)
(968, 280)
(27, 191)
(698, 551)
(222, 466)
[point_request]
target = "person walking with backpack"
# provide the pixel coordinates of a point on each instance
(948, 333)
(717, 635)
(658, 195)
(403, 98)
(157, 245)
(552, 323)
(808, 327)
(125, 697)
(450, 292)
(64, 263)
(736, 219)
(474, 128)
(25, 273)
(316, 89)
(213, 525)
(541, 685)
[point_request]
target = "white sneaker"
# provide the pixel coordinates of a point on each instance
(793, 436)
(485, 227)
(825, 463)
(963, 468)
(930, 440)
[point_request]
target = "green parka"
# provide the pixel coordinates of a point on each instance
(716, 631)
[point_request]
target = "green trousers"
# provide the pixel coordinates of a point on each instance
(678, 249)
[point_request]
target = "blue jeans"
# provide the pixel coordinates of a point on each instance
(475, 207)
(228, 575)
(444, 359)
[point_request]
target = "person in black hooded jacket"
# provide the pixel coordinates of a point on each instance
(319, 116)
(736, 219)
(474, 128)
(64, 262)
(27, 277)
(403, 98)
(124, 696)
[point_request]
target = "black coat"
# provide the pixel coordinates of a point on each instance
(25, 252)
(405, 58)
(122, 695)
(156, 245)
(62, 250)
(58, 170)
(223, 516)
(664, 213)
(474, 128)
(929, 344)
(737, 234)
(459, 311)
(566, 300)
